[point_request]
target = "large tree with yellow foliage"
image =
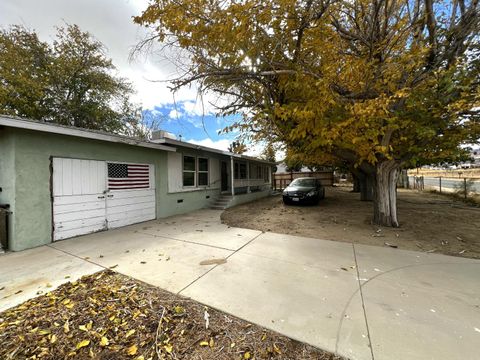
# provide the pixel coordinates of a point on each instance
(379, 85)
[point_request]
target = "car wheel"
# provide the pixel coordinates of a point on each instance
(286, 201)
(323, 194)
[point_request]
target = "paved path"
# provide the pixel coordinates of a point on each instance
(360, 301)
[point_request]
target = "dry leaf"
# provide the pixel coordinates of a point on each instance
(204, 343)
(129, 333)
(104, 341)
(82, 344)
(179, 310)
(168, 348)
(132, 350)
(247, 355)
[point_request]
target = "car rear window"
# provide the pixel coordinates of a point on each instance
(303, 182)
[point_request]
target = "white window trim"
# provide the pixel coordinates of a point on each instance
(189, 171)
(203, 171)
(196, 172)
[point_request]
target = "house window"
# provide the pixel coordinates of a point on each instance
(266, 174)
(202, 172)
(259, 172)
(189, 170)
(240, 171)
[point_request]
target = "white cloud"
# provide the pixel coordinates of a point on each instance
(219, 144)
(254, 150)
(175, 114)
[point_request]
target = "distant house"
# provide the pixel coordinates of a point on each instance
(60, 182)
(475, 154)
(283, 169)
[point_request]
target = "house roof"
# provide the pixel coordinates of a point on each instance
(173, 142)
(166, 144)
(28, 124)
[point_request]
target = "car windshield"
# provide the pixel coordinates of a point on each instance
(303, 182)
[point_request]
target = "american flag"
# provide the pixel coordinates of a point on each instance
(128, 176)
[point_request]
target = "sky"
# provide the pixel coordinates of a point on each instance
(110, 21)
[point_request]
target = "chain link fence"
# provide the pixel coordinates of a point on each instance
(465, 187)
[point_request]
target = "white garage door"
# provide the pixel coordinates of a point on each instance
(90, 195)
(131, 194)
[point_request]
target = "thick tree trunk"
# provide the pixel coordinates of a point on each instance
(356, 183)
(367, 182)
(385, 194)
(363, 183)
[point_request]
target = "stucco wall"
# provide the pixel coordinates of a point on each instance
(31, 185)
(244, 198)
(7, 174)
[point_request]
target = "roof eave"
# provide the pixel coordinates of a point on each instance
(173, 142)
(77, 132)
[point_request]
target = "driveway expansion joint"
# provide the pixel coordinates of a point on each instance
(76, 256)
(363, 301)
(184, 241)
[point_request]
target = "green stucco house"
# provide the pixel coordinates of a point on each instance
(60, 182)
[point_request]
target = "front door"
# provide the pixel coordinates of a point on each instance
(224, 176)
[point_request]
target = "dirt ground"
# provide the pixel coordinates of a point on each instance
(108, 316)
(428, 222)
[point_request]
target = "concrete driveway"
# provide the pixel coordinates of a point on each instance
(360, 301)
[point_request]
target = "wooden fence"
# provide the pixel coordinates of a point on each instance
(281, 181)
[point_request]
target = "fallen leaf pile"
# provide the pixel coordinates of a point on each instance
(110, 316)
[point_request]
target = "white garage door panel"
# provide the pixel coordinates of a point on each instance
(78, 177)
(132, 206)
(126, 194)
(113, 202)
(129, 210)
(123, 219)
(129, 207)
(76, 224)
(84, 229)
(76, 199)
(66, 208)
(79, 203)
(79, 215)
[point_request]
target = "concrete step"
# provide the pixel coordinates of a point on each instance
(217, 207)
(223, 201)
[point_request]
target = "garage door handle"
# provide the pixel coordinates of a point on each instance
(110, 196)
(101, 197)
